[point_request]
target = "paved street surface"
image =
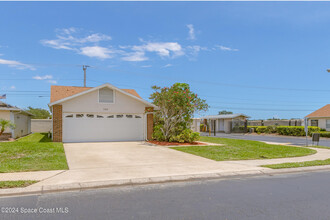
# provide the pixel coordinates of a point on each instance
(301, 141)
(295, 196)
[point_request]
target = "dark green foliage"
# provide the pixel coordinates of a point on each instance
(39, 113)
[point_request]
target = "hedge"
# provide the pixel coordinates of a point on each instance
(297, 130)
(288, 130)
(325, 134)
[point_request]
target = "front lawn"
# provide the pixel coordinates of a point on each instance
(32, 153)
(14, 184)
(233, 149)
(299, 164)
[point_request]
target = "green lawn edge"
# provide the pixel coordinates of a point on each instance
(299, 164)
(35, 152)
(16, 184)
(234, 149)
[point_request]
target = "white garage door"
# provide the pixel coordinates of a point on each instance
(93, 127)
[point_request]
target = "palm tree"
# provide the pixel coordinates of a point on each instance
(5, 124)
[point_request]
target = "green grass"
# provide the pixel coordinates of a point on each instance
(15, 184)
(233, 149)
(32, 153)
(322, 147)
(299, 164)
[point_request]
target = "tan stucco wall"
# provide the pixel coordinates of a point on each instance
(41, 125)
(89, 103)
(5, 115)
(23, 125)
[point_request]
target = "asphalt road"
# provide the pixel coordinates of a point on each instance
(293, 140)
(294, 196)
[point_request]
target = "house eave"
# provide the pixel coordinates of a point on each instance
(99, 87)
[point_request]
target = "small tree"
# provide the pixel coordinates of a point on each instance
(224, 112)
(177, 106)
(39, 113)
(5, 124)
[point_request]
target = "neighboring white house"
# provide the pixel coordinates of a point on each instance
(195, 125)
(19, 117)
(225, 123)
(320, 118)
(103, 113)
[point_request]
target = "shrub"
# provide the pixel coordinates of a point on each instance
(186, 135)
(296, 130)
(287, 130)
(271, 129)
(158, 134)
(325, 134)
(261, 129)
(253, 127)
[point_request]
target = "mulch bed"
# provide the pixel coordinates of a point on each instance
(164, 143)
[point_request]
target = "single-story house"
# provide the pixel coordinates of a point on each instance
(226, 123)
(19, 117)
(195, 124)
(320, 118)
(102, 113)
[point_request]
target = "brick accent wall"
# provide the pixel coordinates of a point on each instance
(57, 123)
(150, 123)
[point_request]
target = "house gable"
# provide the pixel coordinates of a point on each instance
(130, 93)
(89, 102)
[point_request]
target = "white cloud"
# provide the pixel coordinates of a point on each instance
(191, 32)
(135, 56)
(146, 66)
(13, 87)
(96, 51)
(43, 77)
(194, 50)
(67, 39)
(163, 49)
(16, 64)
(167, 65)
(52, 81)
(47, 78)
(57, 44)
(225, 48)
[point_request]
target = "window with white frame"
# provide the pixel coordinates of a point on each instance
(315, 123)
(328, 124)
(106, 95)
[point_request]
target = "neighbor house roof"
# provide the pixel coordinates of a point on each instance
(61, 92)
(322, 112)
(6, 107)
(229, 116)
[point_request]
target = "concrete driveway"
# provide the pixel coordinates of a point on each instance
(89, 162)
(120, 161)
(126, 154)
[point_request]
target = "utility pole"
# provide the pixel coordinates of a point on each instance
(85, 68)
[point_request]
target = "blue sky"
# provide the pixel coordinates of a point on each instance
(264, 59)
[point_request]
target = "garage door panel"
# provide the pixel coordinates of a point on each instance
(103, 129)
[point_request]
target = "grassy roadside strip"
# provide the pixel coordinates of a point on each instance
(15, 184)
(321, 147)
(234, 149)
(299, 164)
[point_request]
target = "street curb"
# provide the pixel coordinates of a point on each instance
(39, 190)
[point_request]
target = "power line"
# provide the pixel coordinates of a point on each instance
(259, 109)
